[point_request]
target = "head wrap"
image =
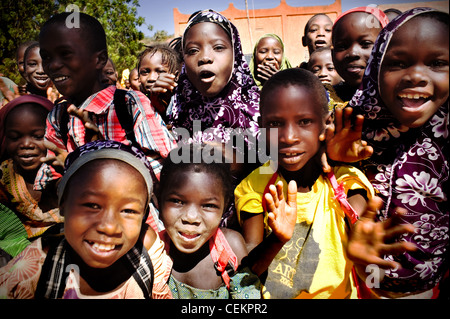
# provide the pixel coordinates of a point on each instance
(285, 64)
(410, 169)
(23, 99)
(105, 150)
(377, 13)
(237, 106)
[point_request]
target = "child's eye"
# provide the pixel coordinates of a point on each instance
(211, 206)
(439, 64)
(175, 201)
(366, 44)
(91, 205)
(130, 211)
(191, 51)
(144, 72)
(305, 122)
(315, 70)
(330, 68)
(219, 48)
(275, 124)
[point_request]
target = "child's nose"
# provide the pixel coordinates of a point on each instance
(289, 135)
(26, 142)
(354, 51)
(416, 75)
(205, 58)
(191, 215)
(109, 222)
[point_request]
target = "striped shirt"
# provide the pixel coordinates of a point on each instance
(150, 130)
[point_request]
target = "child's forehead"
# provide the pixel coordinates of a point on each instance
(320, 20)
(206, 30)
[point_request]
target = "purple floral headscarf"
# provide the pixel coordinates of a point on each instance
(410, 169)
(237, 106)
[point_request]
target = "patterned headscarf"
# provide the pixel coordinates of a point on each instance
(237, 106)
(377, 13)
(410, 169)
(105, 149)
(285, 64)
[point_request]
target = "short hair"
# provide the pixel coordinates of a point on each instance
(90, 27)
(397, 11)
(33, 45)
(310, 19)
(170, 57)
(25, 45)
(296, 77)
(221, 170)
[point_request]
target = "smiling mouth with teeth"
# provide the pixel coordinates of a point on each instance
(414, 96)
(59, 78)
(102, 247)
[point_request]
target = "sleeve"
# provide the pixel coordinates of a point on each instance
(162, 267)
(19, 278)
(352, 179)
(150, 130)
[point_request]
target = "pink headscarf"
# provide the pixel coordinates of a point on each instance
(4, 111)
(368, 9)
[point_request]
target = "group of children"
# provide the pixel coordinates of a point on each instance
(96, 204)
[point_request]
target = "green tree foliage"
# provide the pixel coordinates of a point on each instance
(21, 21)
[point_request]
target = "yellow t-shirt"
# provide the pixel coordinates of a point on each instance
(313, 264)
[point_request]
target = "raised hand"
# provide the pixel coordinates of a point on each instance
(344, 143)
(92, 131)
(56, 158)
(282, 213)
(267, 69)
(162, 91)
(370, 239)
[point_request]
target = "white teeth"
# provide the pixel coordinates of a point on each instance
(415, 96)
(61, 78)
(103, 247)
(291, 154)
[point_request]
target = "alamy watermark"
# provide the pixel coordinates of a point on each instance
(242, 146)
(73, 19)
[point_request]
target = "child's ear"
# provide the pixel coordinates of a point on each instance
(102, 59)
(304, 42)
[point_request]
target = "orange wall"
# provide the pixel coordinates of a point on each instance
(287, 22)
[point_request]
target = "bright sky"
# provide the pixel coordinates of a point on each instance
(159, 13)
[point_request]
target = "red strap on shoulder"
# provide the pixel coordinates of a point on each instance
(339, 194)
(266, 190)
(222, 255)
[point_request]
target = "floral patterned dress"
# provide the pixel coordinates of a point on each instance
(409, 169)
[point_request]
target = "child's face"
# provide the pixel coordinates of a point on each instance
(299, 121)
(318, 34)
(24, 138)
(134, 80)
(109, 74)
(208, 57)
(321, 64)
(353, 40)
(20, 62)
(414, 79)
(269, 51)
(34, 71)
(104, 205)
(70, 63)
(150, 69)
(191, 209)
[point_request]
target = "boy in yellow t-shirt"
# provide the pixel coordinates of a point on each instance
(313, 263)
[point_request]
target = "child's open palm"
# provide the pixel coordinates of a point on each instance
(282, 213)
(371, 239)
(344, 143)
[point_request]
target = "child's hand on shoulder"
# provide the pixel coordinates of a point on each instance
(282, 212)
(343, 140)
(370, 239)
